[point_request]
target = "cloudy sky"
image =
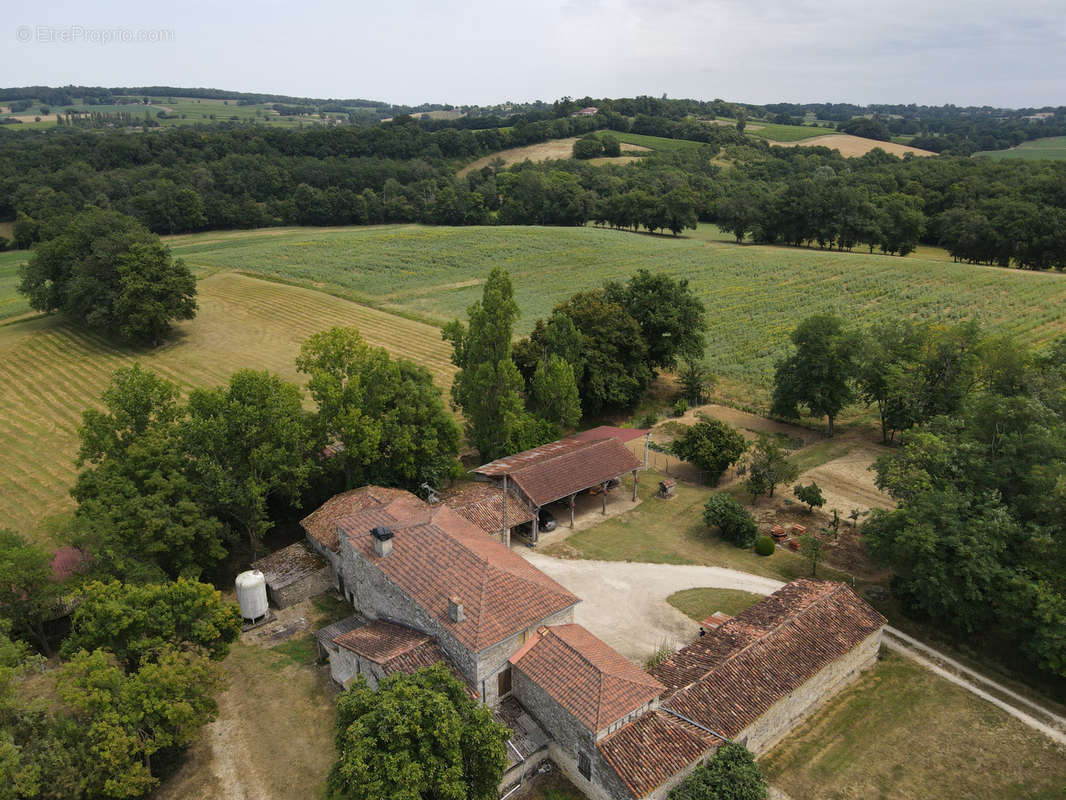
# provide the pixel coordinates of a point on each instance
(967, 52)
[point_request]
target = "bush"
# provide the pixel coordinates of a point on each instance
(730, 773)
(734, 522)
(765, 546)
(649, 420)
(680, 408)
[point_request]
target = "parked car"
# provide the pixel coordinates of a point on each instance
(546, 523)
(613, 483)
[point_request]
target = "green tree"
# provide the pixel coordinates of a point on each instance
(487, 385)
(555, 394)
(388, 414)
(28, 593)
(107, 271)
(812, 548)
(249, 441)
(888, 357)
(711, 445)
(696, 381)
(810, 494)
(730, 774)
(138, 622)
(768, 467)
(588, 147)
(418, 736)
(733, 521)
(672, 318)
(819, 372)
(612, 147)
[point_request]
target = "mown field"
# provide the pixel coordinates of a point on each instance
(50, 372)
(754, 295)
(1053, 147)
(11, 302)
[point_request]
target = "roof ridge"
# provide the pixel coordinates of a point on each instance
(579, 444)
(759, 640)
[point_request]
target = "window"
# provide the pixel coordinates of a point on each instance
(504, 682)
(584, 766)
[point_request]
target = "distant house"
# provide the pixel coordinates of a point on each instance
(588, 111)
(429, 585)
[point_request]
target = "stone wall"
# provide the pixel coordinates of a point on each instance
(311, 585)
(492, 660)
(334, 560)
(788, 712)
(345, 666)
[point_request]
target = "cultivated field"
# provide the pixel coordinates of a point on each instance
(903, 733)
(542, 151)
(11, 302)
(852, 146)
(51, 371)
(754, 295)
(1053, 147)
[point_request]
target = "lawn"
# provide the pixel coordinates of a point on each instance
(1053, 147)
(903, 733)
(698, 604)
(50, 372)
(672, 532)
(754, 295)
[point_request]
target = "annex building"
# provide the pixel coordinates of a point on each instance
(430, 585)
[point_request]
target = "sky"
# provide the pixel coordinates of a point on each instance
(972, 52)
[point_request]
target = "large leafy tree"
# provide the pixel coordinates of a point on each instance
(555, 392)
(28, 592)
(110, 273)
(249, 441)
(138, 622)
(730, 774)
(488, 385)
(734, 522)
(388, 414)
(819, 373)
(711, 445)
(887, 360)
(672, 319)
(418, 736)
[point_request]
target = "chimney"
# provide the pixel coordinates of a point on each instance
(382, 541)
(455, 609)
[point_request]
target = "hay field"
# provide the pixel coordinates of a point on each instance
(554, 149)
(853, 146)
(51, 371)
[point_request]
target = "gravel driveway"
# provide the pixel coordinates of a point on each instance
(625, 604)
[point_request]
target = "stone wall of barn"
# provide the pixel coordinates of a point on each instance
(492, 660)
(788, 712)
(570, 739)
(309, 586)
(345, 666)
(334, 560)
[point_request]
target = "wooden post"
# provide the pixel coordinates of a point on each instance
(634, 486)
(573, 500)
(603, 491)
(536, 524)
(506, 534)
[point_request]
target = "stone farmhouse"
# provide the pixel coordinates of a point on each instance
(430, 585)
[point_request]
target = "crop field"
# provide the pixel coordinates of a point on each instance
(754, 295)
(783, 133)
(1053, 147)
(659, 143)
(542, 151)
(11, 302)
(50, 372)
(853, 146)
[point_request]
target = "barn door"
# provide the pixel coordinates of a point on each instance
(504, 682)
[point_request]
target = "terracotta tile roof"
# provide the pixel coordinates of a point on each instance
(653, 748)
(335, 629)
(608, 432)
(290, 564)
(728, 678)
(398, 649)
(586, 676)
(510, 464)
(482, 504)
(321, 524)
(436, 554)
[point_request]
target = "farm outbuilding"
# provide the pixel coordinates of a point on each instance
(294, 573)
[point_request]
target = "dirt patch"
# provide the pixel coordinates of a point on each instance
(544, 151)
(853, 146)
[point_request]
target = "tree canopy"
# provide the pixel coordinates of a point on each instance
(730, 774)
(712, 445)
(672, 319)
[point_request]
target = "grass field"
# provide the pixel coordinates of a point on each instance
(50, 372)
(698, 604)
(754, 295)
(654, 142)
(544, 151)
(783, 133)
(902, 733)
(11, 302)
(853, 146)
(1053, 147)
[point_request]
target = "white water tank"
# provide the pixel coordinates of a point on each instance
(252, 594)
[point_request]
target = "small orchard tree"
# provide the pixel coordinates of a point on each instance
(730, 774)
(768, 467)
(733, 521)
(417, 736)
(812, 548)
(810, 494)
(711, 445)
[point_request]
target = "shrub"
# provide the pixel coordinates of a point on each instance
(730, 773)
(734, 522)
(680, 408)
(649, 420)
(765, 546)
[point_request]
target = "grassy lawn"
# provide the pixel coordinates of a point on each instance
(1053, 147)
(699, 604)
(903, 733)
(50, 372)
(672, 532)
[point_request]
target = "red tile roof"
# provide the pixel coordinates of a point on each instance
(321, 524)
(653, 748)
(587, 677)
(730, 677)
(482, 504)
(608, 432)
(437, 553)
(509, 464)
